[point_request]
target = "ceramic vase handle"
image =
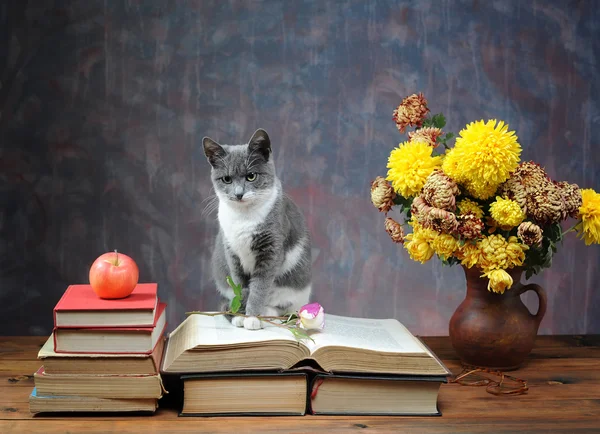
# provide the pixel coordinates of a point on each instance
(542, 300)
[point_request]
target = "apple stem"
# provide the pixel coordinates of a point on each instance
(117, 259)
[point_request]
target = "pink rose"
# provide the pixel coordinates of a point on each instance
(311, 317)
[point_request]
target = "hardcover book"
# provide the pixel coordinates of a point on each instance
(115, 340)
(98, 386)
(251, 393)
(353, 345)
(54, 404)
(98, 363)
(375, 395)
(80, 307)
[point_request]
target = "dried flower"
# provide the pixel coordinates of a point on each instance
(428, 135)
(441, 220)
(530, 233)
(527, 177)
(543, 201)
(419, 210)
(588, 228)
(483, 157)
(469, 226)
(544, 204)
(411, 112)
(311, 317)
(394, 229)
(382, 194)
(409, 166)
(440, 191)
(571, 195)
(507, 213)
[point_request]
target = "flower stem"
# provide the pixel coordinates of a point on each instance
(196, 312)
(571, 229)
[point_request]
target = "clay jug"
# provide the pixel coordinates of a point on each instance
(495, 331)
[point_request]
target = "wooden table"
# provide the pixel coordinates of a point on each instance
(563, 373)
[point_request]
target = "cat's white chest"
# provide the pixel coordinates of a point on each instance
(238, 231)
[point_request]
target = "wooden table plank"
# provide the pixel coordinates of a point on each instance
(563, 373)
(307, 424)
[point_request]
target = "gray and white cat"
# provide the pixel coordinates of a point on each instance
(263, 242)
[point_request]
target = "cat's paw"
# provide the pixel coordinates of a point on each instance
(238, 321)
(252, 323)
(270, 311)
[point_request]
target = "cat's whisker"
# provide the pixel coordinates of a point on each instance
(210, 197)
(211, 206)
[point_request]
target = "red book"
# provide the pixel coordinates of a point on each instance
(81, 307)
(111, 340)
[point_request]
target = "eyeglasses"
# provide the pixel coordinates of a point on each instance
(496, 382)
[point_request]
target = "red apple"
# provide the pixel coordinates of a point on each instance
(113, 275)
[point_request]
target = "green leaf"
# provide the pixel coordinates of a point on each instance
(449, 136)
(404, 203)
(439, 121)
(291, 318)
(300, 333)
(236, 303)
(237, 289)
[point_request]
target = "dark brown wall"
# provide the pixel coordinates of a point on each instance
(104, 105)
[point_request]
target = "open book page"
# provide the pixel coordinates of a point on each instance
(201, 331)
(382, 335)
(205, 330)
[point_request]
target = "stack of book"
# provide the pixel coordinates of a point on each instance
(103, 355)
(353, 367)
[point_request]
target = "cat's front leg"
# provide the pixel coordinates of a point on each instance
(268, 257)
(231, 266)
(260, 288)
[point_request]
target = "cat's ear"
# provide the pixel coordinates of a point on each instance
(213, 151)
(261, 143)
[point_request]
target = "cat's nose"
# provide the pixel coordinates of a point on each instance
(239, 196)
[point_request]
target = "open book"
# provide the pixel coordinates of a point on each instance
(212, 344)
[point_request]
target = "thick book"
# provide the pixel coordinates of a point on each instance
(98, 386)
(115, 340)
(245, 394)
(60, 404)
(98, 363)
(80, 307)
(212, 344)
(375, 395)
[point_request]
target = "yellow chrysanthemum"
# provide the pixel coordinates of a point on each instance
(499, 253)
(444, 245)
(409, 166)
(589, 227)
(469, 254)
(467, 206)
(483, 157)
(418, 244)
(507, 213)
(499, 280)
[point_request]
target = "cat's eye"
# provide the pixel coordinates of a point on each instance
(251, 177)
(226, 179)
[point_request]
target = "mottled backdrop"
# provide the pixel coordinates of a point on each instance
(103, 106)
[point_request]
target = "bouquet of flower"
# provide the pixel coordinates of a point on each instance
(475, 203)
